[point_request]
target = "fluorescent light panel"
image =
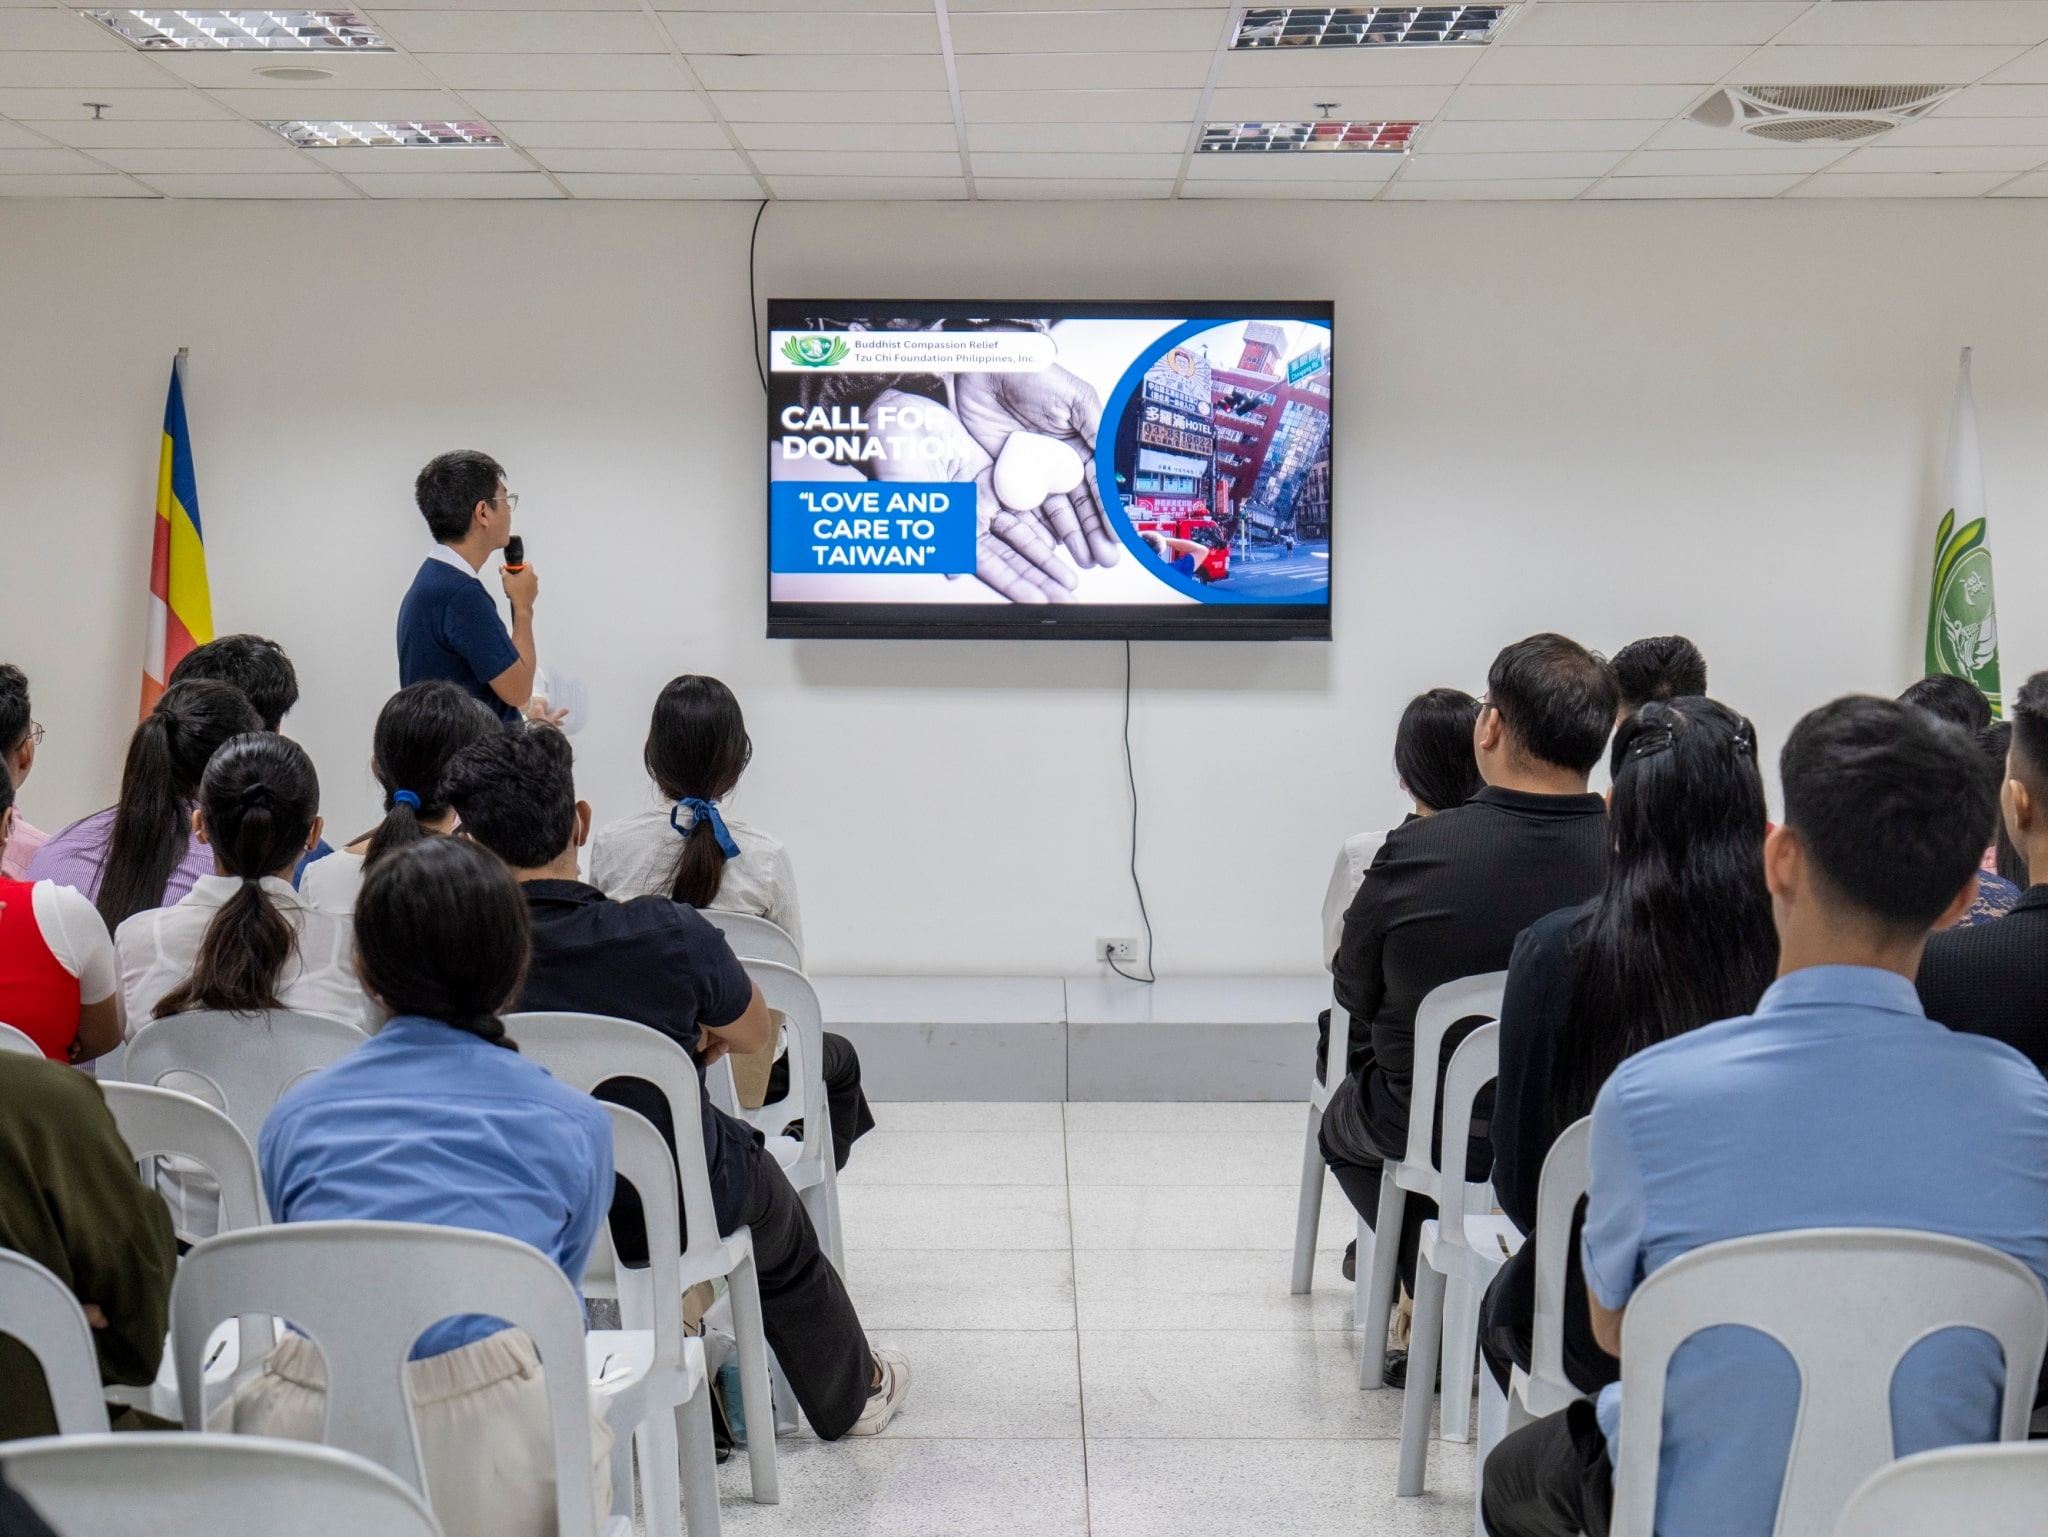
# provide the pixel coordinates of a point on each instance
(252, 30)
(1367, 26)
(1320, 136)
(386, 135)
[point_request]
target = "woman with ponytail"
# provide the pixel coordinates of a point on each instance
(139, 853)
(438, 1119)
(419, 729)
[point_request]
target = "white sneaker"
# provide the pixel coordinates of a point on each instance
(885, 1400)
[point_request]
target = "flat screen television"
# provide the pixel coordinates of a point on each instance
(1145, 471)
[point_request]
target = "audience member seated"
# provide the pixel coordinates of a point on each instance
(1446, 896)
(19, 738)
(1959, 702)
(252, 663)
(1993, 979)
(659, 964)
(1838, 1103)
(690, 850)
(1661, 668)
(1679, 937)
(70, 1201)
(2004, 858)
(1947, 697)
(439, 1119)
(57, 971)
(419, 729)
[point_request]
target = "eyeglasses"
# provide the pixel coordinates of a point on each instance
(35, 734)
(510, 499)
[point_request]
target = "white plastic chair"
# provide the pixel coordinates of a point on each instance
(1846, 1304)
(1308, 1213)
(364, 1292)
(1974, 1491)
(248, 1060)
(755, 938)
(1545, 1388)
(666, 1401)
(40, 1311)
(583, 1051)
(1466, 998)
(145, 1485)
(18, 1042)
(809, 1164)
(1467, 1243)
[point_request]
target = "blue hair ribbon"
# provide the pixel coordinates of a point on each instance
(705, 811)
(405, 798)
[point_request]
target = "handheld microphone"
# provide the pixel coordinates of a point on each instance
(515, 554)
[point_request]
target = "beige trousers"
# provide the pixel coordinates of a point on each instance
(486, 1439)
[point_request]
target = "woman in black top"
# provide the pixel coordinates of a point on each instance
(1680, 936)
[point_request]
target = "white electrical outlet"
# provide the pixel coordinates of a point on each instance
(1116, 949)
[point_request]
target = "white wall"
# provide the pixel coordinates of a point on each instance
(1616, 420)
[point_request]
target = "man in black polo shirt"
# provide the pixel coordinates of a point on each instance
(663, 965)
(1447, 894)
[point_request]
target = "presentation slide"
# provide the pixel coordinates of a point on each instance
(1140, 470)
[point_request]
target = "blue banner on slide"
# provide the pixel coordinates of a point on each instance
(840, 528)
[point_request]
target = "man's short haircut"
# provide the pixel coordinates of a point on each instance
(449, 488)
(256, 666)
(1662, 667)
(2030, 735)
(1892, 805)
(1956, 700)
(1556, 698)
(516, 794)
(14, 717)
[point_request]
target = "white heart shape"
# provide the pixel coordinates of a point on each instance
(1032, 467)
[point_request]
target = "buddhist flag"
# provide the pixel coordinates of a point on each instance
(180, 604)
(1962, 620)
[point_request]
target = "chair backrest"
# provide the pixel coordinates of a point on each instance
(1474, 1065)
(248, 1059)
(583, 1050)
(144, 1485)
(1974, 1491)
(1441, 1008)
(649, 1298)
(162, 1121)
(1846, 1304)
(1558, 1190)
(364, 1292)
(789, 993)
(15, 1040)
(40, 1311)
(754, 938)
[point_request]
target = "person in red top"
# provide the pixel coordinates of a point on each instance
(59, 981)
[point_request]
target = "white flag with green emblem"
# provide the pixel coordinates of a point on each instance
(1962, 619)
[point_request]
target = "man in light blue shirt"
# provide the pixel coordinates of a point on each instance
(1837, 1104)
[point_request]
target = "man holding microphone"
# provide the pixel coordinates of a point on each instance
(448, 626)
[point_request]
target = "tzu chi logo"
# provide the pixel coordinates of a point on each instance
(815, 351)
(1965, 630)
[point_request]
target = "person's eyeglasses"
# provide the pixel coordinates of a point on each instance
(510, 499)
(35, 734)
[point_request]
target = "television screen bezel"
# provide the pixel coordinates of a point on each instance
(1052, 621)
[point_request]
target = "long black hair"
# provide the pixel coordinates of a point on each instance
(258, 800)
(1681, 934)
(442, 932)
(1433, 748)
(167, 756)
(697, 748)
(419, 729)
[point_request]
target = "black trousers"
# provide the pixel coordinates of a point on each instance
(1354, 1156)
(805, 1311)
(851, 1118)
(1551, 1479)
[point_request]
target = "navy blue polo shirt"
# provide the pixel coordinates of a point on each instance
(448, 628)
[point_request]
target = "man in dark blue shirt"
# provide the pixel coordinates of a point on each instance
(448, 625)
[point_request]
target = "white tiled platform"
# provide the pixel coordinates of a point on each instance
(1094, 1300)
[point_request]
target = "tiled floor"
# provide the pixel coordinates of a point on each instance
(1094, 1300)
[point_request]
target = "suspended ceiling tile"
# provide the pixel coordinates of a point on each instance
(278, 159)
(876, 188)
(232, 69)
(500, 184)
(1097, 138)
(1322, 166)
(847, 136)
(1081, 30)
(643, 162)
(1081, 71)
(534, 31)
(108, 185)
(1057, 106)
(835, 106)
(284, 104)
(2030, 68)
(117, 133)
(667, 188)
(13, 137)
(168, 102)
(1918, 22)
(677, 106)
(1481, 138)
(43, 28)
(1765, 160)
(1002, 189)
(803, 8)
(858, 163)
(1531, 190)
(395, 6)
(559, 72)
(1293, 192)
(1996, 101)
(1497, 102)
(879, 73)
(964, 6)
(46, 160)
(2035, 185)
(1606, 66)
(1692, 186)
(1318, 68)
(1945, 157)
(1902, 184)
(1424, 166)
(786, 32)
(261, 187)
(1969, 130)
(1623, 22)
(1072, 165)
(436, 160)
(541, 134)
(94, 70)
(1375, 103)
(1922, 64)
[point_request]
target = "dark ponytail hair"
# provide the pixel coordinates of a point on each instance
(167, 756)
(442, 932)
(697, 747)
(259, 797)
(1681, 935)
(1433, 748)
(419, 729)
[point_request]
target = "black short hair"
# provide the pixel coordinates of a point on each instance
(1433, 748)
(1556, 698)
(2029, 762)
(253, 664)
(14, 717)
(1892, 805)
(516, 794)
(1659, 667)
(1956, 700)
(449, 488)
(442, 932)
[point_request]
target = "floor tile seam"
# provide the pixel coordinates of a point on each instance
(1080, 1376)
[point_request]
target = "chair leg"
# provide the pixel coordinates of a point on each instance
(821, 1203)
(1361, 1266)
(837, 1247)
(1308, 1212)
(622, 1469)
(1379, 1300)
(1493, 1426)
(785, 1400)
(699, 1463)
(1424, 1337)
(1460, 1357)
(754, 1389)
(660, 1496)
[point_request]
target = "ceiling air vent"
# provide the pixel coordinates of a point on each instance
(1817, 114)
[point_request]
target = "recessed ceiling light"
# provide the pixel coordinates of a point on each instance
(298, 31)
(1321, 135)
(1368, 26)
(299, 72)
(386, 135)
